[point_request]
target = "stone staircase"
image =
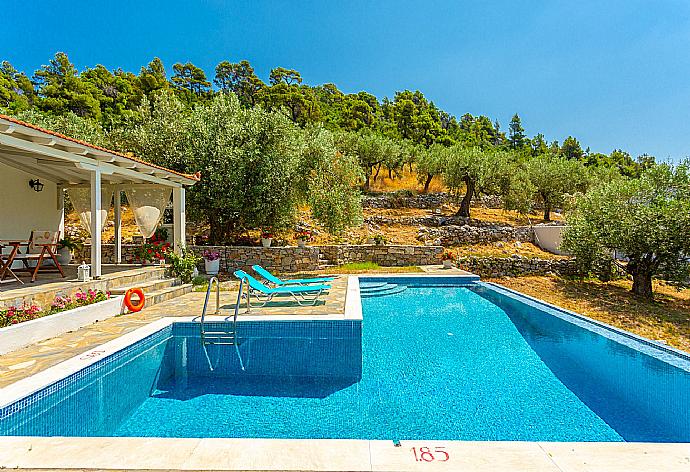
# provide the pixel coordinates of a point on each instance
(156, 290)
(325, 263)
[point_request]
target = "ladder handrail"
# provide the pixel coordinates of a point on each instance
(215, 336)
(208, 294)
(239, 299)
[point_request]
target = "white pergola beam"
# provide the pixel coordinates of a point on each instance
(43, 140)
(105, 167)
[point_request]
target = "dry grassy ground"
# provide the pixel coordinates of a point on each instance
(403, 181)
(667, 318)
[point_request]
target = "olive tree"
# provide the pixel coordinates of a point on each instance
(371, 150)
(256, 165)
(554, 178)
(430, 162)
(329, 181)
(646, 219)
(474, 170)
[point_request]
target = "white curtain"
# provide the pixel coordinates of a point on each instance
(81, 200)
(147, 203)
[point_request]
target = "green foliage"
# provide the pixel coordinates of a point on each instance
(371, 149)
(239, 79)
(68, 124)
(646, 219)
(183, 265)
(264, 148)
(554, 178)
(430, 162)
(516, 134)
(475, 170)
(190, 80)
(62, 90)
(69, 243)
(571, 149)
(16, 90)
(330, 182)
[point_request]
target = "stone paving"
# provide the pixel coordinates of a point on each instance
(25, 362)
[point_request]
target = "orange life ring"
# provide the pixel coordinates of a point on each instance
(128, 299)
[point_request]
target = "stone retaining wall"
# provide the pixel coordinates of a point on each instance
(455, 235)
(401, 200)
(291, 258)
(516, 266)
(383, 255)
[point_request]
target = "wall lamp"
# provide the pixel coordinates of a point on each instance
(36, 184)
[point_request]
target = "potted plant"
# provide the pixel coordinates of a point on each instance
(211, 261)
(448, 257)
(303, 237)
(66, 247)
(266, 238)
(153, 250)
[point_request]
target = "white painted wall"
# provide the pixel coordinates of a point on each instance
(549, 237)
(22, 209)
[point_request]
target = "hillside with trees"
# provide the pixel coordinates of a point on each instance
(270, 150)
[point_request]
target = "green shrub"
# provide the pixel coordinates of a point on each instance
(183, 265)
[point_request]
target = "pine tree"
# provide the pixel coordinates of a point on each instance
(516, 133)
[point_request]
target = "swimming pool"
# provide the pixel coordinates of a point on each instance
(432, 358)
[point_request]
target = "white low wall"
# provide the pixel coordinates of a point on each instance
(549, 237)
(23, 334)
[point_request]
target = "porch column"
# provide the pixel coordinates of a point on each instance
(61, 208)
(118, 227)
(96, 223)
(179, 219)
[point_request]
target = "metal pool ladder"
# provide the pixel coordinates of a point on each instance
(219, 337)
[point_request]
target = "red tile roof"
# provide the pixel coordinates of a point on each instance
(196, 176)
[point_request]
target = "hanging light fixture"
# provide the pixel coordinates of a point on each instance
(36, 184)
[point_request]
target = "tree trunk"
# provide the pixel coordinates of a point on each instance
(367, 181)
(390, 173)
(547, 212)
(464, 210)
(378, 169)
(214, 231)
(428, 182)
(642, 285)
(642, 269)
(410, 167)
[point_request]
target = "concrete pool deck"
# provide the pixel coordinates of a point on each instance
(336, 455)
(69, 453)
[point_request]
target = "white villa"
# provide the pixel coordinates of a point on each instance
(38, 166)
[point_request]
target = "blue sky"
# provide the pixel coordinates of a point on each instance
(614, 74)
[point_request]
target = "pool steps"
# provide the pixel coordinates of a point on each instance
(379, 289)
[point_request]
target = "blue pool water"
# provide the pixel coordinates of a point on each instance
(427, 362)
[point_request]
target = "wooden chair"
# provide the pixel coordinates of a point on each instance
(41, 245)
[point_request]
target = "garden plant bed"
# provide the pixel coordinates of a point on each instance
(22, 334)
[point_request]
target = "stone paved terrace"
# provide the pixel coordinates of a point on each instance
(25, 362)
